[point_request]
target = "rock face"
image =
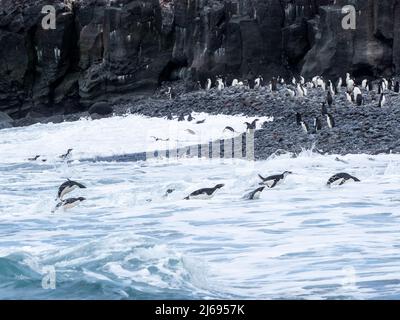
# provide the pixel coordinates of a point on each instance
(114, 50)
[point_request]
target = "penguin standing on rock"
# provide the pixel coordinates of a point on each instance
(317, 124)
(329, 99)
(382, 100)
(299, 119)
(203, 194)
(330, 120)
(305, 127)
(341, 178)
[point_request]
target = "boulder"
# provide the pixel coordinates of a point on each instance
(101, 108)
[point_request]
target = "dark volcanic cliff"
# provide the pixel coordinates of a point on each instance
(111, 50)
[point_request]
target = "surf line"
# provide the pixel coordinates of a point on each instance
(178, 311)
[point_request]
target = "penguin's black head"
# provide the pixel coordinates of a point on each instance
(287, 173)
(219, 186)
(81, 199)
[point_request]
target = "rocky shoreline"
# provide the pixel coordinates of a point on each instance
(367, 129)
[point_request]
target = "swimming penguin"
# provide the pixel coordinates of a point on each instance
(382, 100)
(340, 179)
(254, 195)
(229, 129)
(251, 126)
(68, 187)
(359, 99)
(34, 158)
(67, 155)
(69, 203)
(330, 120)
(159, 139)
(168, 192)
(324, 109)
(203, 194)
(181, 118)
(317, 124)
(190, 132)
(329, 99)
(299, 119)
(200, 121)
(272, 181)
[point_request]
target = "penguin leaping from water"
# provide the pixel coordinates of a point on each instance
(341, 178)
(68, 187)
(68, 203)
(66, 155)
(204, 194)
(273, 181)
(254, 195)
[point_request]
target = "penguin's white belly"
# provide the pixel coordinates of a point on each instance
(67, 190)
(257, 195)
(203, 196)
(338, 182)
(71, 205)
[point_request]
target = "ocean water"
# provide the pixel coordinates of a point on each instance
(301, 240)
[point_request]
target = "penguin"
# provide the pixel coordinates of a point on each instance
(364, 84)
(229, 129)
(221, 85)
(168, 192)
(331, 89)
(159, 139)
(252, 126)
(201, 121)
(349, 98)
(329, 99)
(66, 155)
(181, 117)
(291, 92)
(397, 87)
(273, 181)
(34, 158)
(209, 84)
(294, 82)
(257, 83)
(68, 187)
(254, 195)
(340, 179)
(190, 118)
(190, 132)
(356, 92)
(302, 80)
(382, 100)
(69, 203)
(339, 84)
(235, 83)
(324, 109)
(330, 120)
(299, 119)
(304, 126)
(203, 194)
(274, 84)
(299, 90)
(317, 124)
(169, 116)
(359, 99)
(169, 93)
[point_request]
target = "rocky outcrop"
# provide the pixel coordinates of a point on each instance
(112, 51)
